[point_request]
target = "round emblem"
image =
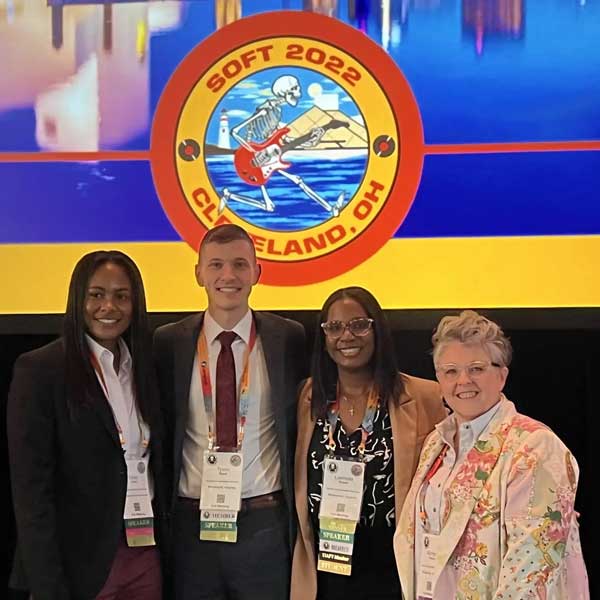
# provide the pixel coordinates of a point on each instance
(306, 134)
(236, 460)
(188, 150)
(332, 467)
(356, 470)
(212, 459)
(141, 468)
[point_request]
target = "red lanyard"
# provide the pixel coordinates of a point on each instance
(437, 463)
(244, 395)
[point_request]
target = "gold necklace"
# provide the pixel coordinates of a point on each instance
(348, 401)
(351, 402)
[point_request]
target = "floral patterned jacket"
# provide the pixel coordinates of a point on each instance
(510, 530)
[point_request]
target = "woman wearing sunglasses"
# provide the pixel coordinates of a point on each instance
(360, 429)
(490, 511)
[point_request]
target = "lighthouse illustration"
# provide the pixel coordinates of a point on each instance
(223, 130)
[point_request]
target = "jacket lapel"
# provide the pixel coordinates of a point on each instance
(465, 488)
(105, 414)
(184, 354)
(304, 554)
(403, 413)
(405, 529)
(273, 350)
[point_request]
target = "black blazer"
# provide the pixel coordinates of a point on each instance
(69, 481)
(283, 342)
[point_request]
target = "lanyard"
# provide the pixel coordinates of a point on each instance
(207, 391)
(333, 414)
(143, 437)
(437, 463)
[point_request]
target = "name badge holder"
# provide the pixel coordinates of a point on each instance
(429, 568)
(221, 496)
(138, 516)
(341, 496)
(221, 491)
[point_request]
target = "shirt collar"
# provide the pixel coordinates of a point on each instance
(105, 357)
(212, 329)
(447, 428)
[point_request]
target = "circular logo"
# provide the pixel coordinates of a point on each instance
(236, 460)
(332, 467)
(141, 468)
(305, 133)
(356, 470)
(212, 459)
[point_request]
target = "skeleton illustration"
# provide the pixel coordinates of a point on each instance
(263, 142)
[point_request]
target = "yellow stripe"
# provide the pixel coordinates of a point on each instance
(413, 273)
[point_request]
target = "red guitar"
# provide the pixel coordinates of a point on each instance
(255, 166)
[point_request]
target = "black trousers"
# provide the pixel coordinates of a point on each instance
(256, 567)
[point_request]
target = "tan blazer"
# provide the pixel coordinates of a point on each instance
(413, 417)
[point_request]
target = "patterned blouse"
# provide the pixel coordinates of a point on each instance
(378, 497)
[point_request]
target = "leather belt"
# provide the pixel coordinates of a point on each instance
(265, 501)
(255, 503)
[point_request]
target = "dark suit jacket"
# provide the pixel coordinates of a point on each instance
(69, 481)
(283, 343)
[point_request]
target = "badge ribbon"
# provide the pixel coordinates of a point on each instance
(221, 492)
(341, 496)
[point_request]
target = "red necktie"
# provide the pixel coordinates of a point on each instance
(226, 393)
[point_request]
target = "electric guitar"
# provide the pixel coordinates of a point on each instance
(256, 164)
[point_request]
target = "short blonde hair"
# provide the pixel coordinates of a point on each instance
(472, 328)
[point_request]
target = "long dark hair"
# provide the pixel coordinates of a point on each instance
(81, 381)
(324, 371)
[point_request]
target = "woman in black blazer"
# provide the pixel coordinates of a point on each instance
(84, 435)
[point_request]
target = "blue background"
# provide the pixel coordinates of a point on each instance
(529, 78)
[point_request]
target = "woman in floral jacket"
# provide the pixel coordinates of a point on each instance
(490, 513)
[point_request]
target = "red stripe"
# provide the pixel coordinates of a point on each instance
(487, 148)
(137, 531)
(74, 156)
(505, 147)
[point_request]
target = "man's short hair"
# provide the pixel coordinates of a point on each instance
(223, 234)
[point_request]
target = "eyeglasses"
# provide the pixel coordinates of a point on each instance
(475, 370)
(358, 327)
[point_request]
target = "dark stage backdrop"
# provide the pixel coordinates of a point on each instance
(554, 378)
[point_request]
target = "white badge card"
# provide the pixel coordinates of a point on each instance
(221, 481)
(221, 496)
(342, 491)
(429, 568)
(138, 515)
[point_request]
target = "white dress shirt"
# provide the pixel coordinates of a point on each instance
(261, 473)
(119, 393)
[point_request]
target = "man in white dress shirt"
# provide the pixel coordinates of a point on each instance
(272, 351)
